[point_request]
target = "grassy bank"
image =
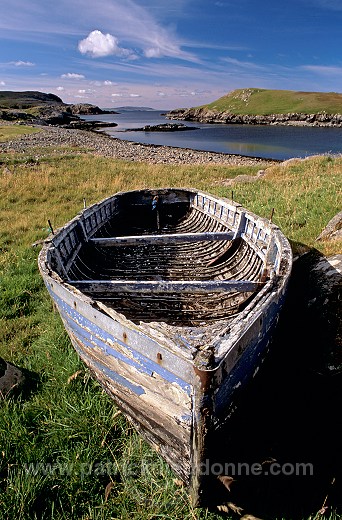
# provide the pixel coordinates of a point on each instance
(257, 101)
(65, 450)
(8, 132)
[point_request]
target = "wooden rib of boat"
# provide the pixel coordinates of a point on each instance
(170, 297)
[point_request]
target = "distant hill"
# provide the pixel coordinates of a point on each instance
(135, 109)
(27, 99)
(261, 106)
(256, 101)
(40, 108)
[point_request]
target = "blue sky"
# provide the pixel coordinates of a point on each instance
(168, 53)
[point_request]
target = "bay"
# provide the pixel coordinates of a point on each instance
(269, 142)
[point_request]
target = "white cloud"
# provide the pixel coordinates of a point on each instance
(145, 28)
(136, 23)
(22, 63)
(159, 43)
(120, 94)
(133, 23)
(2, 83)
(153, 52)
(99, 45)
(60, 88)
(196, 92)
(72, 75)
(242, 64)
(323, 69)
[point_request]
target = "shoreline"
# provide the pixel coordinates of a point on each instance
(99, 143)
(212, 115)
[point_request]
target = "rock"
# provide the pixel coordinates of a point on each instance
(333, 229)
(15, 381)
(14, 115)
(11, 378)
(84, 109)
(88, 125)
(205, 115)
(327, 308)
(43, 109)
(316, 310)
(56, 117)
(164, 127)
(88, 109)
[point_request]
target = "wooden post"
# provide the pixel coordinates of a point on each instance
(50, 226)
(155, 204)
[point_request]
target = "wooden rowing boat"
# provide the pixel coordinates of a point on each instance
(170, 297)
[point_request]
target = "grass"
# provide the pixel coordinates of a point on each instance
(65, 450)
(8, 132)
(253, 101)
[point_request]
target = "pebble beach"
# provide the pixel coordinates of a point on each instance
(102, 144)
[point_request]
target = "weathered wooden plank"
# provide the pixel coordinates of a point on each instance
(164, 286)
(162, 239)
(137, 345)
(169, 435)
(152, 396)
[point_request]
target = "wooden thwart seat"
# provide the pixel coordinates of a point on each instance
(164, 286)
(162, 239)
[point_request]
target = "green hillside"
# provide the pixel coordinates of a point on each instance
(27, 99)
(256, 101)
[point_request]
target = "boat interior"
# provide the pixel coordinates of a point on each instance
(176, 264)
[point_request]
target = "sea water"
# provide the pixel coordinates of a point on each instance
(265, 141)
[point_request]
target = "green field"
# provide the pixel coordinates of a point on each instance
(254, 101)
(65, 450)
(8, 132)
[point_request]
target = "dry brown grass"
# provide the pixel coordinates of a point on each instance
(305, 194)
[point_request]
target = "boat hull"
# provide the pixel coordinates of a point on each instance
(175, 393)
